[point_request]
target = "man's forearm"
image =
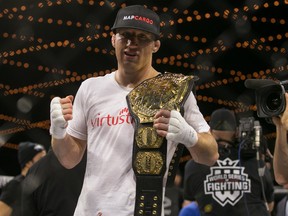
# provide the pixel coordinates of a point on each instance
(5, 210)
(206, 150)
(69, 150)
(280, 161)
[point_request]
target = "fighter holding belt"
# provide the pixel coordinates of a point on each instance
(126, 143)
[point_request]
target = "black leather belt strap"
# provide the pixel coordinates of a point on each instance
(148, 195)
(149, 164)
(166, 91)
(172, 170)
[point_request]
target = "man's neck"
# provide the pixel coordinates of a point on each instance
(131, 79)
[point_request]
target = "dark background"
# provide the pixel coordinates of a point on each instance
(47, 48)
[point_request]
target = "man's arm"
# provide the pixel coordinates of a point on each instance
(202, 146)
(205, 151)
(280, 159)
(271, 206)
(284, 117)
(5, 210)
(68, 149)
(9, 197)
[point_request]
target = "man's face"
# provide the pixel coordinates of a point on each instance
(139, 37)
(134, 48)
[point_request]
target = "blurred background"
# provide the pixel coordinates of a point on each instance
(47, 48)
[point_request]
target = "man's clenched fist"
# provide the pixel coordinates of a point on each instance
(60, 113)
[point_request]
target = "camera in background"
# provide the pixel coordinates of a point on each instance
(270, 100)
(250, 137)
(270, 96)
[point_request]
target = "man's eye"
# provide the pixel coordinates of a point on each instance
(125, 35)
(142, 38)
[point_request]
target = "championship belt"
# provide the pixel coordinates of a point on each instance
(166, 91)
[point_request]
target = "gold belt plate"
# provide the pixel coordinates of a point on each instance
(166, 91)
(149, 162)
(147, 137)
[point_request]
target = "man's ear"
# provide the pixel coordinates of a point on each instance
(113, 40)
(157, 45)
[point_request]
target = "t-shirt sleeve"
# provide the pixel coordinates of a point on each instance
(77, 126)
(193, 116)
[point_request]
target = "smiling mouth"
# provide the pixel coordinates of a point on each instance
(130, 54)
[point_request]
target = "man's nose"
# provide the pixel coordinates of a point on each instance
(132, 41)
(128, 42)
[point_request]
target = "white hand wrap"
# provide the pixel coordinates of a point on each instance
(180, 131)
(58, 123)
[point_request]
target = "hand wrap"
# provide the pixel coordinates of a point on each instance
(180, 131)
(58, 123)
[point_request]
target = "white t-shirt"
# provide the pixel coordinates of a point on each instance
(101, 116)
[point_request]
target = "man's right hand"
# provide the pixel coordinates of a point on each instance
(60, 113)
(284, 117)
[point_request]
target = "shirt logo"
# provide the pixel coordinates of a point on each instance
(101, 120)
(227, 182)
(138, 18)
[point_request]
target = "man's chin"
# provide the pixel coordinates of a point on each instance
(130, 63)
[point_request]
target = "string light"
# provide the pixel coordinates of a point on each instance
(11, 146)
(99, 31)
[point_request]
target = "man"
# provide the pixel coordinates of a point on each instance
(100, 122)
(51, 189)
(280, 159)
(233, 185)
(10, 200)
